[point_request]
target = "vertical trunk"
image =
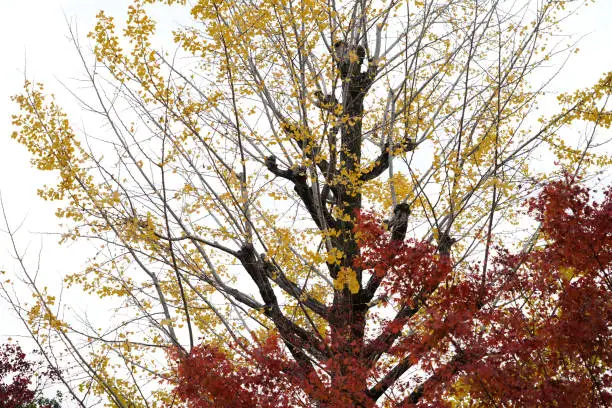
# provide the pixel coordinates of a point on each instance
(347, 320)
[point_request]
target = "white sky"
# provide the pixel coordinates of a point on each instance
(33, 37)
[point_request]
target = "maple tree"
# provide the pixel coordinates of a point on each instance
(16, 380)
(534, 332)
(236, 195)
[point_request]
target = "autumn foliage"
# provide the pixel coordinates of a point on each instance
(18, 377)
(17, 371)
(537, 333)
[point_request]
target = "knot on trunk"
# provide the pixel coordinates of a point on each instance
(398, 224)
(445, 243)
(348, 58)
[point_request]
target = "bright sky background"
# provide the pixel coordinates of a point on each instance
(34, 39)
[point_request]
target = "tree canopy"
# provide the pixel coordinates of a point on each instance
(318, 203)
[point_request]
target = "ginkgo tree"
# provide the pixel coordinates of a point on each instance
(311, 203)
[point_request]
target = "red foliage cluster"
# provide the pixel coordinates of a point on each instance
(533, 331)
(15, 377)
(408, 267)
(552, 346)
(208, 378)
(258, 376)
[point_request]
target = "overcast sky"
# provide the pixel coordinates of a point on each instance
(34, 40)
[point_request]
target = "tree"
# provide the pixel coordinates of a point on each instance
(235, 192)
(16, 375)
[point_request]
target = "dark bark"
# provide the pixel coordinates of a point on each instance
(290, 332)
(381, 163)
(317, 210)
